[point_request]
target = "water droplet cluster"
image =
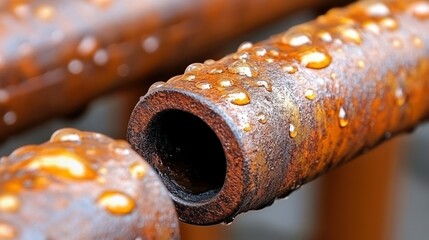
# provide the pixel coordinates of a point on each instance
(71, 157)
(80, 54)
(116, 202)
(304, 48)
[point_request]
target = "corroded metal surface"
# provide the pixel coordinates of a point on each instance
(55, 56)
(232, 135)
(82, 185)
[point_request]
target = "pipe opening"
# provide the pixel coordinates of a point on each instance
(186, 153)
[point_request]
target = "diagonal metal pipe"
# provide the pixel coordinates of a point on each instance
(233, 135)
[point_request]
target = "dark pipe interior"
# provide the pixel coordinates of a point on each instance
(187, 153)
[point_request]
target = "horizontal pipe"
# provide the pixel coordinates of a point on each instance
(55, 56)
(82, 185)
(235, 134)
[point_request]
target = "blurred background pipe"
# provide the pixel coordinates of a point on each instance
(82, 185)
(279, 113)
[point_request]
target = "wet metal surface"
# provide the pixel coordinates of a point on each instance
(82, 185)
(233, 135)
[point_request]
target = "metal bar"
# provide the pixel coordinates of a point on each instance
(82, 185)
(55, 56)
(232, 135)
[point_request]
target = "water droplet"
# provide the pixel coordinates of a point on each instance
(123, 70)
(138, 170)
(293, 132)
(4, 96)
(296, 39)
(310, 94)
(61, 163)
(150, 44)
(377, 10)
(91, 152)
(225, 83)
(102, 171)
(87, 45)
(156, 85)
(262, 118)
(243, 68)
(228, 221)
(239, 97)
(241, 55)
(247, 127)
(400, 97)
(339, 49)
(101, 57)
(325, 36)
(345, 20)
(116, 202)
(351, 35)
(315, 59)
(9, 202)
(66, 134)
(75, 66)
(389, 23)
(193, 67)
(361, 64)
(203, 85)
(274, 52)
(416, 41)
(188, 77)
(209, 62)
(420, 9)
(120, 147)
(396, 43)
(7, 231)
(290, 69)
(260, 51)
(215, 71)
(45, 12)
(372, 27)
(9, 118)
(245, 46)
(265, 84)
(343, 117)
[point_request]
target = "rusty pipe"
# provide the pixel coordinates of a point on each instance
(55, 56)
(82, 185)
(235, 134)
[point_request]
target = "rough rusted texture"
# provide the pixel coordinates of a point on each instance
(287, 109)
(55, 56)
(82, 185)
